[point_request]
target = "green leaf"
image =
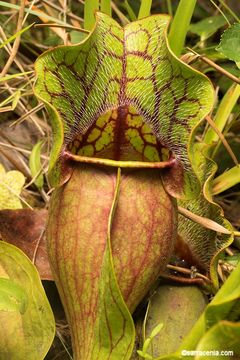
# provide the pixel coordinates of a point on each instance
(226, 180)
(81, 83)
(224, 110)
(12, 38)
(14, 76)
(26, 320)
(12, 296)
(106, 7)
(144, 355)
(145, 8)
(208, 26)
(13, 98)
(224, 336)
(11, 184)
(90, 6)
(233, 260)
(180, 25)
(156, 330)
(36, 166)
(16, 99)
(220, 308)
(230, 43)
(77, 36)
(130, 11)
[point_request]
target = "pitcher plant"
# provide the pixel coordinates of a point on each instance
(123, 111)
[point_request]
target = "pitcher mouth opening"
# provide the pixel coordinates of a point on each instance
(120, 163)
(119, 137)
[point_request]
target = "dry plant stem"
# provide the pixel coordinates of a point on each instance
(215, 66)
(231, 12)
(24, 151)
(183, 280)
(17, 40)
(220, 273)
(226, 266)
(69, 14)
(24, 116)
(63, 27)
(23, 108)
(205, 222)
(22, 160)
(65, 39)
(229, 252)
(218, 9)
(30, 8)
(59, 335)
(15, 157)
(6, 109)
(14, 160)
(44, 196)
(37, 246)
(122, 17)
(187, 271)
(223, 140)
(9, 19)
(219, 69)
(18, 196)
(9, 50)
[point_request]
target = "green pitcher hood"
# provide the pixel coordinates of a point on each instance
(130, 66)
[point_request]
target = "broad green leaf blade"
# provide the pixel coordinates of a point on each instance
(224, 336)
(220, 308)
(12, 296)
(208, 26)
(230, 43)
(233, 260)
(213, 330)
(27, 324)
(145, 9)
(35, 165)
(130, 11)
(224, 110)
(90, 6)
(77, 36)
(226, 180)
(180, 25)
(114, 67)
(106, 7)
(11, 184)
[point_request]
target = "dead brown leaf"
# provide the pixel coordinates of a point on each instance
(24, 228)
